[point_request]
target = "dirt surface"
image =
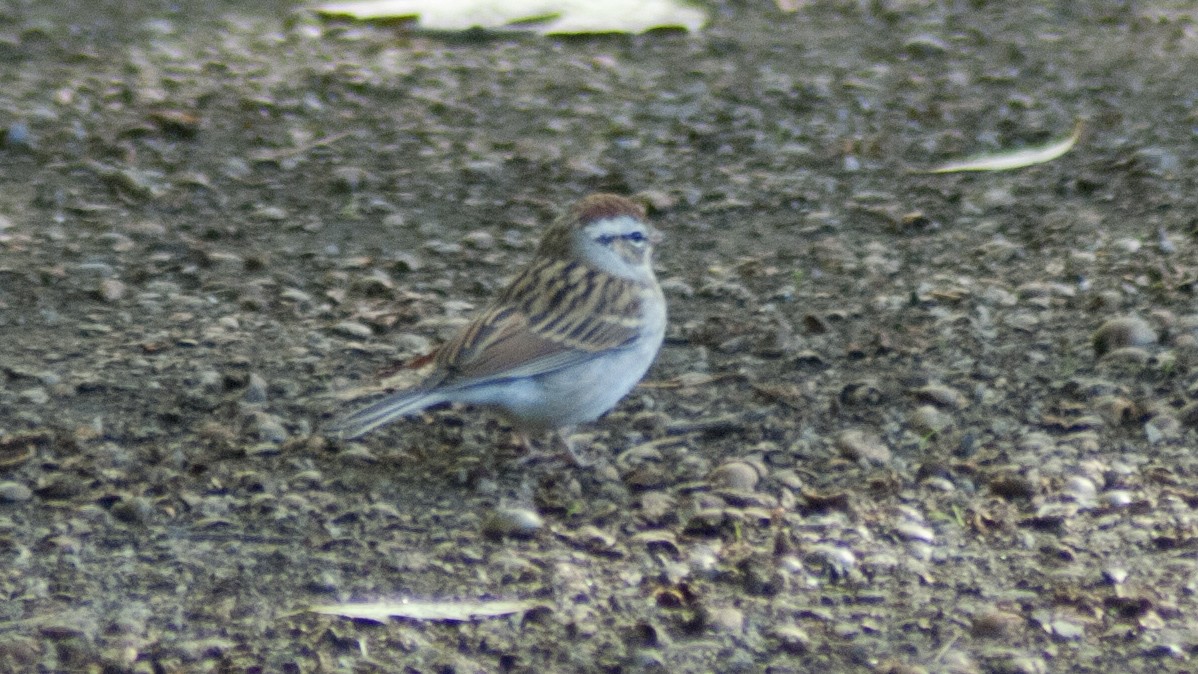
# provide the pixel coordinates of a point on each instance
(902, 422)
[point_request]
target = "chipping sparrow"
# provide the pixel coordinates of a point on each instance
(564, 342)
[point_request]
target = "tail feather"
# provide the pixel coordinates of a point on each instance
(383, 412)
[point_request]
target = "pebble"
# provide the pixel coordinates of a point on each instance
(269, 428)
(1126, 331)
(735, 475)
(18, 135)
(511, 522)
(925, 46)
(100, 269)
(36, 395)
(1013, 486)
(479, 240)
(792, 639)
(211, 381)
(410, 342)
(353, 329)
(1117, 410)
(929, 419)
(858, 445)
(837, 562)
(136, 510)
(911, 531)
(1115, 575)
(944, 397)
(1117, 498)
(350, 178)
(703, 560)
(727, 619)
(1131, 355)
(270, 213)
(1162, 427)
(1021, 664)
(1081, 489)
(657, 507)
(1188, 415)
(255, 390)
(14, 492)
(996, 624)
(111, 290)
(58, 488)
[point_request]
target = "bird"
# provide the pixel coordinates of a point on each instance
(566, 340)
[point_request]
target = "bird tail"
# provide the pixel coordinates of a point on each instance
(383, 412)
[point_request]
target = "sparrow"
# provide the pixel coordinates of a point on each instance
(565, 340)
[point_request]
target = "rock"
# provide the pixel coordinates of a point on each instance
(353, 329)
(1118, 333)
(735, 475)
(14, 492)
(512, 522)
(858, 445)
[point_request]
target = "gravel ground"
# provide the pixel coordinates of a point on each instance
(902, 422)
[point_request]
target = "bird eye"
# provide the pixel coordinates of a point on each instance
(635, 237)
(606, 239)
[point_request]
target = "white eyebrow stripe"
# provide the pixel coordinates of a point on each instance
(618, 226)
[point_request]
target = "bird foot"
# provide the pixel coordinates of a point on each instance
(534, 455)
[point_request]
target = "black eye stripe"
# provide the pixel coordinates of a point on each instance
(606, 239)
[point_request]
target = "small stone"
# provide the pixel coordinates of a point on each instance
(350, 178)
(1162, 427)
(353, 329)
(135, 510)
(735, 475)
(18, 135)
(255, 390)
(925, 46)
(58, 488)
(410, 342)
(271, 213)
(911, 531)
(211, 381)
(1020, 664)
(858, 445)
(269, 428)
(36, 395)
(509, 522)
(96, 269)
(927, 419)
(1117, 410)
(792, 639)
(1117, 498)
(479, 240)
(1115, 575)
(1130, 355)
(14, 492)
(944, 397)
(1127, 331)
(1013, 486)
(727, 619)
(111, 290)
(838, 562)
(1081, 489)
(996, 624)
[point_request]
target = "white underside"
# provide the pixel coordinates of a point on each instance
(572, 395)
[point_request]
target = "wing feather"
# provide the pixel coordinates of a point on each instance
(553, 315)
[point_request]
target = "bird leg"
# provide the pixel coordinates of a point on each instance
(533, 455)
(572, 450)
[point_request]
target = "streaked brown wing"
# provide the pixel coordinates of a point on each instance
(553, 315)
